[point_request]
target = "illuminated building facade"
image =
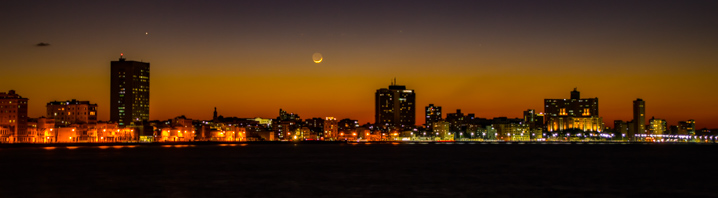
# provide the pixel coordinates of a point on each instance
(433, 114)
(179, 129)
(331, 128)
(512, 132)
(441, 130)
(13, 117)
(639, 117)
(72, 112)
(575, 106)
(42, 129)
(395, 106)
(657, 126)
(592, 123)
(129, 92)
(574, 113)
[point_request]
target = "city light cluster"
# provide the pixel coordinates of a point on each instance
(566, 119)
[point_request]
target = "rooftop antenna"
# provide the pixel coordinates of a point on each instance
(122, 58)
(394, 81)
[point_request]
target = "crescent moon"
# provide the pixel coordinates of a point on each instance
(319, 61)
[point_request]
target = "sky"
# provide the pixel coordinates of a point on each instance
(251, 58)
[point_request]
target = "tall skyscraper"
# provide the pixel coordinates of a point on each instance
(639, 117)
(433, 114)
(13, 117)
(130, 92)
(395, 106)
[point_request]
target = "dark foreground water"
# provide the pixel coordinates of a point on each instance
(360, 170)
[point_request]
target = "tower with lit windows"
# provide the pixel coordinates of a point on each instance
(13, 118)
(130, 91)
(395, 106)
(433, 114)
(639, 117)
(572, 113)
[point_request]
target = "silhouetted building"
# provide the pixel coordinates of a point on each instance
(687, 127)
(458, 121)
(433, 114)
(315, 126)
(284, 116)
(13, 117)
(214, 114)
(72, 112)
(639, 117)
(348, 125)
(673, 129)
(620, 127)
(533, 119)
(395, 106)
(574, 113)
(130, 92)
(575, 106)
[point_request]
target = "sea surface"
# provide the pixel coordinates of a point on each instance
(361, 170)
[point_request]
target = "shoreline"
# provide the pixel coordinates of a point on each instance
(217, 143)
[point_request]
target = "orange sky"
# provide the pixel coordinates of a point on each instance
(252, 61)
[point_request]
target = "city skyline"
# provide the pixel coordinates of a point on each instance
(458, 55)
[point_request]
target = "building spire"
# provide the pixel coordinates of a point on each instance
(214, 117)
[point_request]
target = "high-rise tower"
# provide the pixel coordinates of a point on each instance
(433, 114)
(130, 91)
(395, 106)
(639, 117)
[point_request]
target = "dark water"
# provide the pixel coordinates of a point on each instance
(376, 170)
